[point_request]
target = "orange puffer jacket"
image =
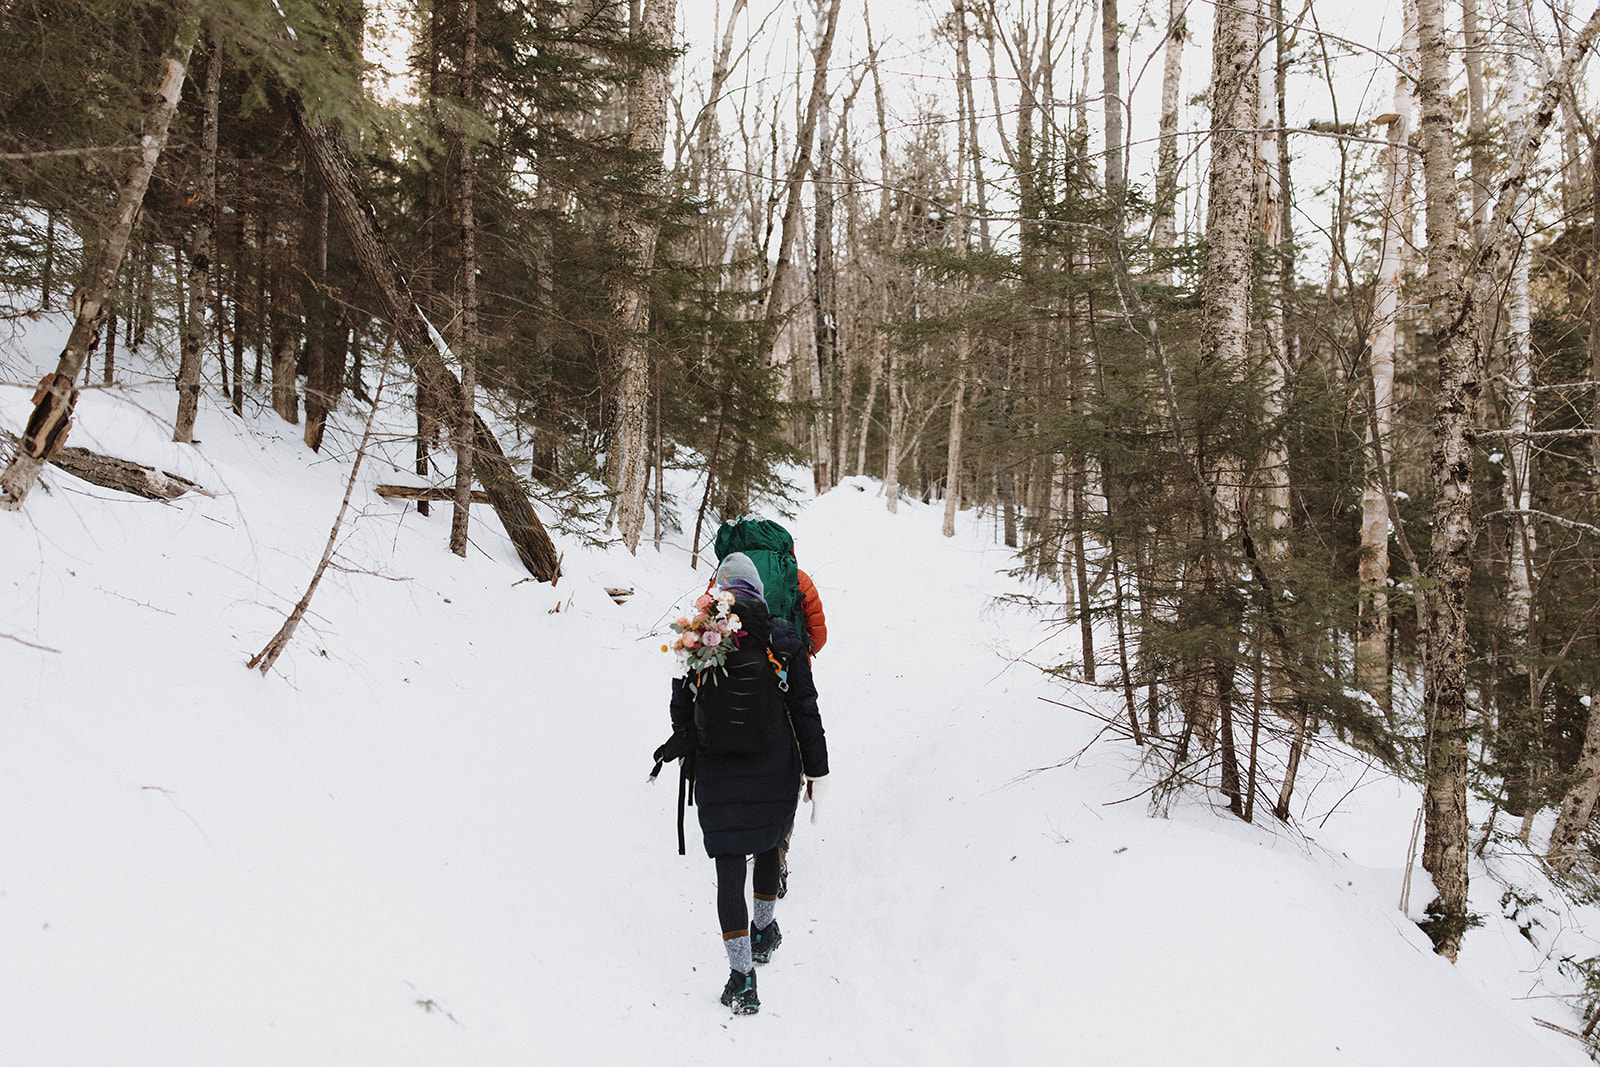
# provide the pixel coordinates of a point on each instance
(816, 622)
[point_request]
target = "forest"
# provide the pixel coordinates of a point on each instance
(1271, 345)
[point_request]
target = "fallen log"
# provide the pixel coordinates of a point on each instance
(429, 492)
(123, 475)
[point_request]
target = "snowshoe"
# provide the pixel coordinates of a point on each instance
(740, 993)
(764, 941)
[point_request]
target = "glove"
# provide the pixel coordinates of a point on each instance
(815, 788)
(680, 744)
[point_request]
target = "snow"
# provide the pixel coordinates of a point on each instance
(426, 836)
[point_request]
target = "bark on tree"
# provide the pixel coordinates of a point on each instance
(201, 253)
(462, 424)
(314, 287)
(422, 346)
(1444, 854)
(637, 228)
(1277, 241)
(52, 413)
(1457, 317)
(1224, 340)
(241, 230)
(1164, 231)
(1111, 80)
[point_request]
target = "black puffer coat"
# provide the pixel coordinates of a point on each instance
(747, 802)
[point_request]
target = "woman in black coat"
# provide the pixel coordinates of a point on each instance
(747, 802)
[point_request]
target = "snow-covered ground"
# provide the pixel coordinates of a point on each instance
(426, 838)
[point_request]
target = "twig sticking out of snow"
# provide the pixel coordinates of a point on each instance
(264, 659)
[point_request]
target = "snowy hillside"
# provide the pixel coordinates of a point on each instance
(426, 837)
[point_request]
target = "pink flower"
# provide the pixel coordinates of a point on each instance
(691, 639)
(712, 639)
(704, 602)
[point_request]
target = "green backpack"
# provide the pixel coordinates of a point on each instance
(771, 548)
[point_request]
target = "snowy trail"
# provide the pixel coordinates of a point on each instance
(426, 839)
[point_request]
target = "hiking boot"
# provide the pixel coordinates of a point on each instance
(764, 940)
(740, 993)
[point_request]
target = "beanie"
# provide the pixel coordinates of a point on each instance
(737, 567)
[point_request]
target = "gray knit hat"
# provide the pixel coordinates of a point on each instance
(736, 566)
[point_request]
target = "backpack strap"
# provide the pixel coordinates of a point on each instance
(686, 771)
(780, 670)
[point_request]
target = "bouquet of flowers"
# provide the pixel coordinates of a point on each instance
(705, 637)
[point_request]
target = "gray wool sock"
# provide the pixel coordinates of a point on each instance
(763, 917)
(739, 953)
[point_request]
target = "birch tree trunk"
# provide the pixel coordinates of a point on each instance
(47, 427)
(1224, 341)
(1372, 652)
(1522, 714)
(1164, 229)
(1444, 854)
(637, 230)
(1477, 116)
(192, 343)
(1111, 80)
(1278, 243)
(1457, 319)
(952, 498)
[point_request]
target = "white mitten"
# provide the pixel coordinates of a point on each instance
(815, 788)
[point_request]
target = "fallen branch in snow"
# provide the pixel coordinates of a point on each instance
(30, 644)
(428, 492)
(1560, 1029)
(264, 659)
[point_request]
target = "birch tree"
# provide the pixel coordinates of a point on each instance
(1457, 318)
(1372, 653)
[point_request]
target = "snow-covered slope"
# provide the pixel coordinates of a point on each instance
(427, 839)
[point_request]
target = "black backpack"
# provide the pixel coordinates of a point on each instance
(739, 707)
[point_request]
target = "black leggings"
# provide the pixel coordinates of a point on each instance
(731, 910)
